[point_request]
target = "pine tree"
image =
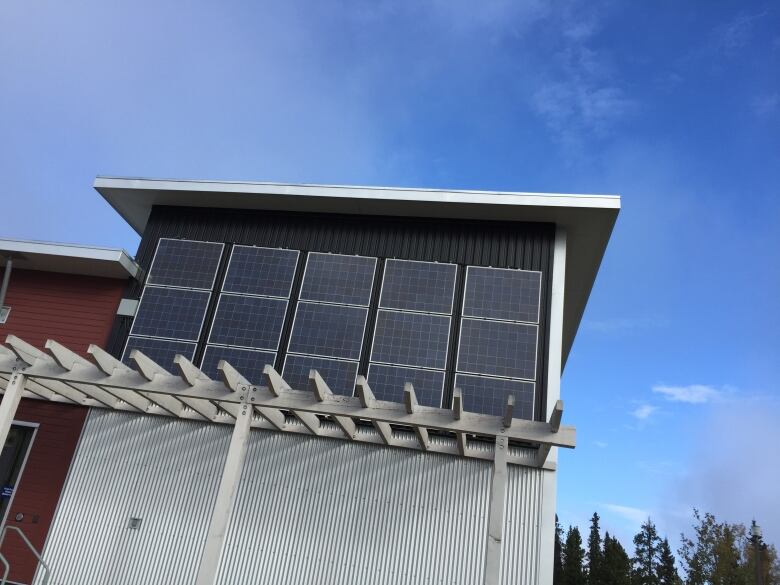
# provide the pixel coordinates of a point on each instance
(595, 555)
(646, 544)
(573, 556)
(616, 565)
(557, 558)
(667, 572)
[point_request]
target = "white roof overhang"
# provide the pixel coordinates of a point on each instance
(587, 219)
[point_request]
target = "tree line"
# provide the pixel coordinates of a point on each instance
(717, 553)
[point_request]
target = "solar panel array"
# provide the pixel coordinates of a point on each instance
(412, 330)
(251, 310)
(173, 305)
(330, 320)
(498, 339)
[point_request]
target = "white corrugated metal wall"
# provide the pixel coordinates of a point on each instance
(309, 510)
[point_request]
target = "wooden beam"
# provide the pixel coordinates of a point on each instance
(278, 387)
(367, 400)
(322, 393)
(510, 405)
(555, 424)
(457, 403)
(492, 572)
(410, 401)
(193, 376)
(151, 371)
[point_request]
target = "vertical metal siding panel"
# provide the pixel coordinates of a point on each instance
(522, 526)
(162, 470)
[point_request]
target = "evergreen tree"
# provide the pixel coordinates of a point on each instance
(595, 554)
(557, 558)
(616, 565)
(646, 545)
(667, 572)
(573, 556)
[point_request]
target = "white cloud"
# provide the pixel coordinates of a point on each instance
(693, 394)
(635, 516)
(644, 411)
(735, 34)
(600, 444)
(764, 105)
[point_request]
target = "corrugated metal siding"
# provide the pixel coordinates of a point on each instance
(480, 243)
(162, 470)
(326, 511)
(522, 527)
(309, 510)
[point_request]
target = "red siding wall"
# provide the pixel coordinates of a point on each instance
(76, 311)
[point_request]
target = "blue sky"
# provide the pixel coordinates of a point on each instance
(673, 379)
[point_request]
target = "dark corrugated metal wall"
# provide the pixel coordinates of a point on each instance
(478, 243)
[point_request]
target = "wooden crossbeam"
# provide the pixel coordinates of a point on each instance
(410, 401)
(555, 425)
(322, 393)
(367, 400)
(278, 387)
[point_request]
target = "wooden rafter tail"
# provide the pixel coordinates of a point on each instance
(508, 410)
(153, 371)
(322, 393)
(278, 387)
(457, 412)
(555, 425)
(410, 401)
(193, 376)
(367, 400)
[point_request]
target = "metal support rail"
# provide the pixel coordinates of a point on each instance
(30, 546)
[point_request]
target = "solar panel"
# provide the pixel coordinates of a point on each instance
(172, 313)
(489, 395)
(254, 322)
(387, 383)
(248, 362)
(328, 330)
(261, 271)
(497, 348)
(335, 278)
(418, 286)
(185, 263)
(339, 375)
(500, 293)
(161, 351)
(411, 339)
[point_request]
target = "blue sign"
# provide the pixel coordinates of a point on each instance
(7, 492)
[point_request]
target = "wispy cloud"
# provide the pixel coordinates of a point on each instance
(692, 394)
(763, 105)
(735, 34)
(636, 516)
(644, 411)
(601, 444)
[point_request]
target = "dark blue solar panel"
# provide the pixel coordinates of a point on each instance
(387, 383)
(498, 293)
(334, 278)
(248, 321)
(338, 375)
(418, 286)
(249, 363)
(185, 263)
(261, 271)
(497, 348)
(161, 351)
(170, 312)
(489, 395)
(328, 330)
(411, 339)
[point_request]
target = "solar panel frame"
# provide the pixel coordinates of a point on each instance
(466, 309)
(236, 343)
(249, 372)
(359, 343)
(303, 294)
(458, 368)
(383, 288)
(300, 382)
(420, 390)
(165, 363)
(225, 283)
(499, 403)
(144, 296)
(372, 356)
(151, 276)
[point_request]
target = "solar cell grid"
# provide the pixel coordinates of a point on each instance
(185, 263)
(418, 286)
(338, 375)
(171, 313)
(254, 322)
(387, 383)
(489, 395)
(497, 348)
(161, 351)
(500, 293)
(261, 271)
(411, 339)
(249, 363)
(336, 278)
(328, 330)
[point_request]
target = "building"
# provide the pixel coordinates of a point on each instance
(71, 293)
(397, 352)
